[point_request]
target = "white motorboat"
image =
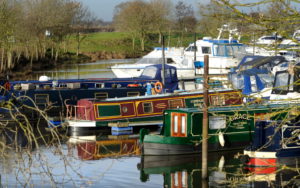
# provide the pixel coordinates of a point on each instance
(223, 55)
(270, 45)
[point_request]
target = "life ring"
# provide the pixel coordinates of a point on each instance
(158, 87)
(7, 85)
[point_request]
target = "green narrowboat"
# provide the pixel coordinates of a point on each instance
(230, 127)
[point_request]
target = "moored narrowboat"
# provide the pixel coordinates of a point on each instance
(230, 128)
(141, 110)
(274, 142)
(53, 95)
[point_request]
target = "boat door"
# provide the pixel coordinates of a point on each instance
(178, 124)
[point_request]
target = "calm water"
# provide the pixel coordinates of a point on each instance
(114, 161)
(107, 160)
(99, 69)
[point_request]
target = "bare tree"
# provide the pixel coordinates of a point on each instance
(10, 15)
(135, 18)
(185, 20)
(256, 18)
(161, 16)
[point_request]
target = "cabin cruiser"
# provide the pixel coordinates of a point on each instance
(255, 75)
(286, 88)
(270, 45)
(223, 54)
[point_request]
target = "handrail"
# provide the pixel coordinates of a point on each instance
(70, 112)
(294, 134)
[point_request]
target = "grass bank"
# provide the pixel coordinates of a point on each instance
(116, 45)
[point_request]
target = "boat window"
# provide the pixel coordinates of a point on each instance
(167, 73)
(147, 107)
(217, 122)
(217, 100)
(177, 103)
(133, 94)
(41, 98)
(183, 125)
(170, 61)
(109, 110)
(149, 72)
(101, 95)
(291, 86)
(178, 124)
(173, 72)
(175, 124)
(206, 50)
(191, 49)
(63, 85)
(219, 50)
(267, 79)
(282, 81)
(237, 81)
(253, 84)
(99, 85)
(229, 50)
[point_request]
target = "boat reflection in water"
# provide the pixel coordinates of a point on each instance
(281, 176)
(224, 170)
(96, 147)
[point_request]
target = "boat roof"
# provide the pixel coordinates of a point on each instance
(237, 107)
(176, 93)
(262, 60)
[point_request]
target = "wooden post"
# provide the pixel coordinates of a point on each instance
(205, 119)
(195, 47)
(77, 71)
(163, 57)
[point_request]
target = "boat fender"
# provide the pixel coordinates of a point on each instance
(158, 87)
(221, 139)
(44, 78)
(221, 163)
(7, 85)
(148, 89)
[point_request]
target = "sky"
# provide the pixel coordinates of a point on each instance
(104, 9)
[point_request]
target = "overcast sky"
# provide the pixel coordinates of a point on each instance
(103, 9)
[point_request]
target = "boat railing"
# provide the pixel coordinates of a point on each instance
(290, 137)
(75, 112)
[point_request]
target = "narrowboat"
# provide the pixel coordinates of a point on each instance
(52, 95)
(274, 142)
(230, 127)
(140, 110)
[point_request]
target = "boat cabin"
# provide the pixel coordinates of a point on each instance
(53, 95)
(142, 110)
(229, 128)
(286, 85)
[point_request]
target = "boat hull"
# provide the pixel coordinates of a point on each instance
(159, 145)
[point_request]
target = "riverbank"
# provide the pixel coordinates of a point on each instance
(94, 47)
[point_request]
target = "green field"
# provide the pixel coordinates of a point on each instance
(121, 42)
